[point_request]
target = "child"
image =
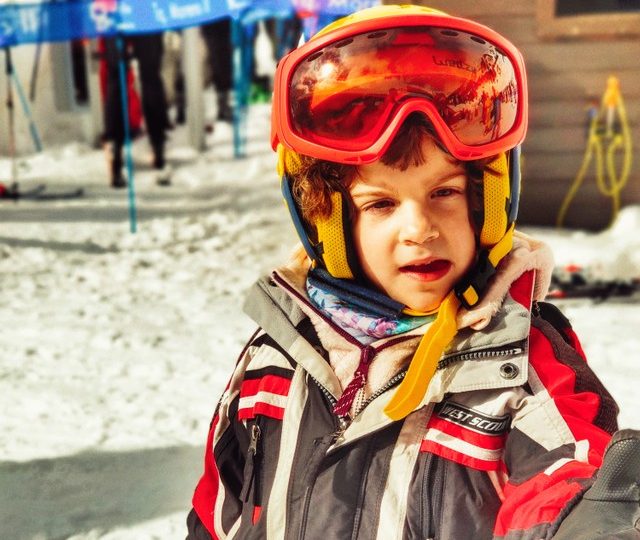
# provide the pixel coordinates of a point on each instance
(405, 381)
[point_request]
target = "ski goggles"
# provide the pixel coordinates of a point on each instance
(343, 95)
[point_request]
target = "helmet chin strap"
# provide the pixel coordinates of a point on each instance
(470, 288)
(413, 388)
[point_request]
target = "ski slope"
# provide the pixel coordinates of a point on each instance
(115, 347)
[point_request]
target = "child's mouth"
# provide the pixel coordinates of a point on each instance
(428, 271)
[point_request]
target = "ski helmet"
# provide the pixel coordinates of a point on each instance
(472, 89)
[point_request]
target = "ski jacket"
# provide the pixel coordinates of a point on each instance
(505, 442)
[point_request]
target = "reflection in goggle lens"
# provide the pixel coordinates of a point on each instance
(345, 94)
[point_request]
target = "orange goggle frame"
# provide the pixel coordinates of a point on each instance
(343, 95)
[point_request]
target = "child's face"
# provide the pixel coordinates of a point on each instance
(413, 232)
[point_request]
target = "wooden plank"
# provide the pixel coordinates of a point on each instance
(479, 8)
(556, 139)
(584, 214)
(575, 84)
(579, 26)
(546, 166)
(589, 209)
(573, 112)
(582, 56)
(563, 139)
(520, 29)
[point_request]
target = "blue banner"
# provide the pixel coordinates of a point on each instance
(61, 20)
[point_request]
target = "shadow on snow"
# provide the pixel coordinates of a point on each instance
(60, 497)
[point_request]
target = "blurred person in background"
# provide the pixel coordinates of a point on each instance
(147, 49)
(217, 38)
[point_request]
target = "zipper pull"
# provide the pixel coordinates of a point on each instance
(249, 466)
(343, 424)
(535, 308)
(255, 436)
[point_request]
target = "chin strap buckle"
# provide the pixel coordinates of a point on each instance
(471, 286)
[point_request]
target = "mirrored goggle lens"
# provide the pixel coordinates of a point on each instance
(343, 95)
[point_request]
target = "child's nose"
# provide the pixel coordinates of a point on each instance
(417, 227)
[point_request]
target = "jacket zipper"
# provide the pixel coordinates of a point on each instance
(393, 381)
(433, 487)
(322, 445)
(479, 355)
(250, 466)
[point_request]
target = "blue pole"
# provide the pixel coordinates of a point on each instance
(133, 226)
(27, 111)
(239, 109)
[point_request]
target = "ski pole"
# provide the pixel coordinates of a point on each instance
(239, 109)
(25, 104)
(36, 58)
(127, 134)
(12, 130)
(34, 72)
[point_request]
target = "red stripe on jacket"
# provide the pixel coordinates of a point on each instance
(263, 388)
(541, 499)
(579, 409)
(206, 491)
(521, 289)
(459, 457)
(488, 442)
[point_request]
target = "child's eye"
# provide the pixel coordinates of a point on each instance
(374, 206)
(446, 192)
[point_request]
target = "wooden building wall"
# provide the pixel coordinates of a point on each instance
(565, 77)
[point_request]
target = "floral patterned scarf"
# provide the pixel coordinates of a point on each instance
(366, 328)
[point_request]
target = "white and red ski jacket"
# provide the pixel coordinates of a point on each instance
(507, 439)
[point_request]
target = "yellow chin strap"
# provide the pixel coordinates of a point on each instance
(425, 360)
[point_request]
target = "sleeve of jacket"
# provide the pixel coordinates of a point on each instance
(559, 433)
(611, 507)
(216, 500)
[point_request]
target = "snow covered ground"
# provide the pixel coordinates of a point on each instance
(115, 346)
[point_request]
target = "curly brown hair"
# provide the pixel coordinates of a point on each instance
(314, 179)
